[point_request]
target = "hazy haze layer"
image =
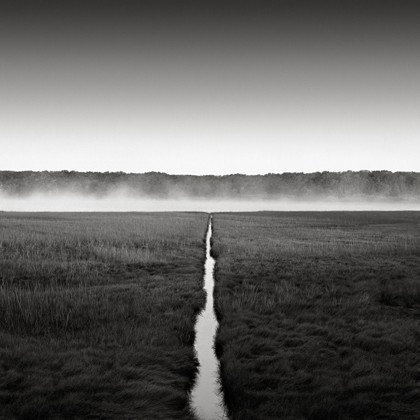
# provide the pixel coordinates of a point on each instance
(117, 202)
(88, 191)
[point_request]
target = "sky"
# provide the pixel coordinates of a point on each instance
(195, 87)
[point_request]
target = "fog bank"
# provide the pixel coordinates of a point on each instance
(123, 202)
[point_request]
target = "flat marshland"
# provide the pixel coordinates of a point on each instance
(97, 314)
(319, 314)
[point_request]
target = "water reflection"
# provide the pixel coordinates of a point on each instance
(206, 398)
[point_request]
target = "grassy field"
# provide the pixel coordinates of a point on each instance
(97, 314)
(320, 314)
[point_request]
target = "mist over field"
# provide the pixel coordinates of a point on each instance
(154, 191)
(118, 202)
(76, 203)
(124, 201)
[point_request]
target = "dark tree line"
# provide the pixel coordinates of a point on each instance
(386, 184)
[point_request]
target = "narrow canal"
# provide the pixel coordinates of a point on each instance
(206, 396)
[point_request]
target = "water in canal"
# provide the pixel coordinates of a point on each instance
(206, 396)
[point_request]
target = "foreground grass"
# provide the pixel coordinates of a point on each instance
(319, 314)
(97, 314)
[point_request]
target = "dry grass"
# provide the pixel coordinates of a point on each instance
(97, 314)
(320, 314)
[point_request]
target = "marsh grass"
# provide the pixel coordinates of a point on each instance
(401, 292)
(97, 314)
(319, 314)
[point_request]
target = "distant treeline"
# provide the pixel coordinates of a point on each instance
(393, 185)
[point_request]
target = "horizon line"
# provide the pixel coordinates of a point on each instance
(214, 175)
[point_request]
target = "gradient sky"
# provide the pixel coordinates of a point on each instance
(209, 87)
